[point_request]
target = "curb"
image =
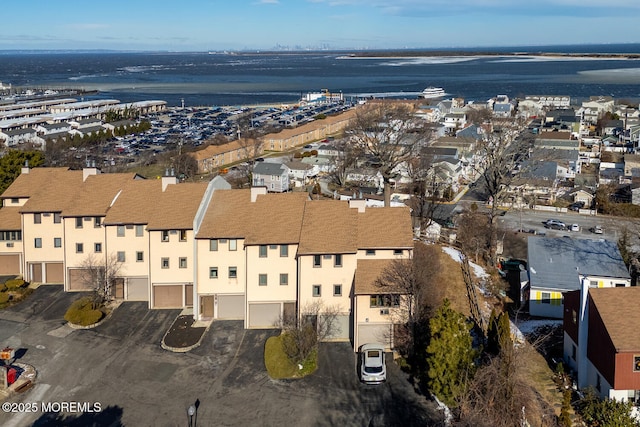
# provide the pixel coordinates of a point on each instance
(94, 325)
(184, 349)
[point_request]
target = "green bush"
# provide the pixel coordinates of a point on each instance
(14, 283)
(3, 287)
(82, 312)
(4, 297)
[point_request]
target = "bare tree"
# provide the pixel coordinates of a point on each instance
(424, 197)
(387, 133)
(413, 279)
(99, 273)
(250, 148)
(316, 323)
(473, 233)
(345, 159)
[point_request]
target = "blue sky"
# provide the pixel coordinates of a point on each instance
(201, 25)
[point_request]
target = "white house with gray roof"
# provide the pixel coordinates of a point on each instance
(558, 265)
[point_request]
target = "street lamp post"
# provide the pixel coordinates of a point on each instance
(191, 410)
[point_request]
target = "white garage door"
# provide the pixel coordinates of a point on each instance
(230, 306)
(264, 315)
(167, 296)
(138, 289)
(374, 333)
(10, 264)
(340, 328)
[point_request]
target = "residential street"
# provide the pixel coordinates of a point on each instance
(121, 366)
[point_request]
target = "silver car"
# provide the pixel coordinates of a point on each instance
(372, 368)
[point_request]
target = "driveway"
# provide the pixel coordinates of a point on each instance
(121, 366)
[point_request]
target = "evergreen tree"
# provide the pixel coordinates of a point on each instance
(450, 354)
(493, 346)
(12, 162)
(504, 332)
(565, 416)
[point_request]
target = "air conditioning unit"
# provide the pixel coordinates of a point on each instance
(384, 311)
(9, 244)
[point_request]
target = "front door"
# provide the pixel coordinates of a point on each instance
(206, 305)
(117, 288)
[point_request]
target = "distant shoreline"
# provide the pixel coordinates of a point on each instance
(452, 53)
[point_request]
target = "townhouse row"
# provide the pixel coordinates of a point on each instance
(229, 254)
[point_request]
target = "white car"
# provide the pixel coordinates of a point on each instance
(597, 229)
(372, 367)
(574, 227)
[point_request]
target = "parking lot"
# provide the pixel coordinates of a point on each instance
(121, 366)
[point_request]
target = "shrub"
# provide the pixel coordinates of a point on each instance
(3, 287)
(4, 297)
(14, 283)
(82, 312)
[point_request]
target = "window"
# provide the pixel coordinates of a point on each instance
(337, 290)
(78, 222)
(620, 285)
(233, 272)
(96, 222)
(120, 231)
(37, 242)
(213, 272)
(165, 236)
(57, 242)
(317, 261)
(97, 247)
(263, 251)
(273, 247)
(636, 363)
(213, 245)
(546, 298)
(139, 230)
(370, 252)
(317, 290)
(139, 256)
(182, 262)
(120, 256)
(37, 218)
(384, 301)
(79, 248)
(284, 279)
(164, 262)
(284, 250)
(57, 218)
(183, 235)
(15, 200)
(233, 245)
(397, 251)
(262, 279)
(337, 262)
(593, 283)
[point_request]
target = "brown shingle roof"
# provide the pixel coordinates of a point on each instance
(50, 189)
(227, 215)
(10, 218)
(385, 228)
(94, 196)
(176, 208)
(136, 203)
(328, 226)
(618, 308)
(367, 273)
(276, 218)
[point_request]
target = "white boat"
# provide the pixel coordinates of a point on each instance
(433, 92)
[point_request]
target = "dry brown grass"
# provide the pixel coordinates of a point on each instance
(449, 278)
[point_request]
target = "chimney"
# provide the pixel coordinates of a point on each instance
(257, 191)
(168, 179)
(88, 170)
(25, 168)
(359, 204)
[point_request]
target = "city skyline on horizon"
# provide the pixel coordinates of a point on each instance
(201, 25)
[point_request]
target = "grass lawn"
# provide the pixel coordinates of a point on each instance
(280, 367)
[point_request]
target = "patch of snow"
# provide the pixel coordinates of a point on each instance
(448, 416)
(456, 255)
(530, 326)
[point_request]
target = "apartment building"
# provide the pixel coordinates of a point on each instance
(230, 254)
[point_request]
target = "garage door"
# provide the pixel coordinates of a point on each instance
(77, 280)
(137, 289)
(340, 328)
(264, 315)
(54, 272)
(370, 333)
(230, 306)
(9, 264)
(167, 296)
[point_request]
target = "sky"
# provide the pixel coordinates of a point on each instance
(206, 25)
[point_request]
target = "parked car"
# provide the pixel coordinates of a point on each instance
(574, 227)
(372, 367)
(554, 224)
(576, 206)
(597, 229)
